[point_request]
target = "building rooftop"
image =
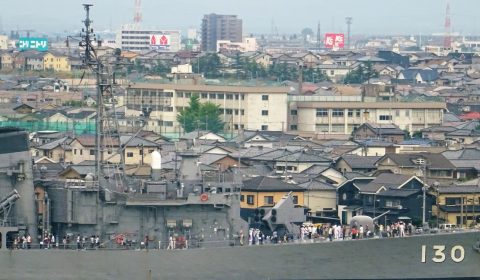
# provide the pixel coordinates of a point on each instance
(262, 183)
(211, 88)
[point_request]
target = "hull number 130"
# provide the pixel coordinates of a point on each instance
(440, 253)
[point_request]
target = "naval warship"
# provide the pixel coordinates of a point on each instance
(134, 225)
(209, 221)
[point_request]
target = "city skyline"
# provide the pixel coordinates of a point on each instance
(412, 17)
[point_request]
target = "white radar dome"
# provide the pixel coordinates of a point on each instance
(156, 160)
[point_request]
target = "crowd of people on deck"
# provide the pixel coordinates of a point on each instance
(328, 232)
(50, 241)
(255, 236)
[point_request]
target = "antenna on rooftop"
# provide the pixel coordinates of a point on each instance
(137, 18)
(447, 41)
(348, 20)
(319, 36)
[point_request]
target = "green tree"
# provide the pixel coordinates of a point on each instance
(210, 116)
(200, 116)
(209, 65)
(363, 73)
(161, 68)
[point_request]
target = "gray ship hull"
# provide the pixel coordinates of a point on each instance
(393, 258)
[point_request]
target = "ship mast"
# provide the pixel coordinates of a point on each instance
(91, 61)
(104, 69)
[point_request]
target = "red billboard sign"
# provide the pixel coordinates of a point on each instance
(334, 40)
(160, 41)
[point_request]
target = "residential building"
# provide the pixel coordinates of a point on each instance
(341, 115)
(241, 107)
(264, 191)
(218, 161)
(299, 161)
(3, 42)
(248, 44)
(466, 162)
(437, 167)
(136, 151)
(418, 76)
(144, 40)
(34, 61)
(57, 150)
(220, 27)
(56, 62)
(334, 72)
(394, 58)
(24, 109)
(389, 132)
(6, 60)
(354, 163)
(394, 195)
(264, 139)
(458, 205)
(320, 197)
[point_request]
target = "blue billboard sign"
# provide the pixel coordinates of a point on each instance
(38, 44)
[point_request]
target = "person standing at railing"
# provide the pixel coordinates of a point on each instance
(78, 242)
(170, 243)
(146, 242)
(24, 242)
(241, 237)
(29, 241)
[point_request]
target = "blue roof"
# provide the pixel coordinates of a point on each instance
(427, 75)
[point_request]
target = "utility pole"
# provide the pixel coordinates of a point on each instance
(461, 211)
(348, 20)
(300, 76)
(423, 167)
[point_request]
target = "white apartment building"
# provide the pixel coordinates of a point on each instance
(3, 42)
(131, 39)
(340, 115)
(248, 44)
(241, 107)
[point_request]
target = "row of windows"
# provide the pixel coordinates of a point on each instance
(385, 117)
(289, 168)
(220, 96)
(138, 92)
(392, 203)
(129, 154)
(165, 123)
(135, 43)
(236, 126)
(337, 112)
(149, 32)
(204, 95)
(267, 200)
(340, 128)
(231, 111)
(135, 48)
(136, 37)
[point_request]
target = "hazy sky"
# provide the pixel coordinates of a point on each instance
(369, 16)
